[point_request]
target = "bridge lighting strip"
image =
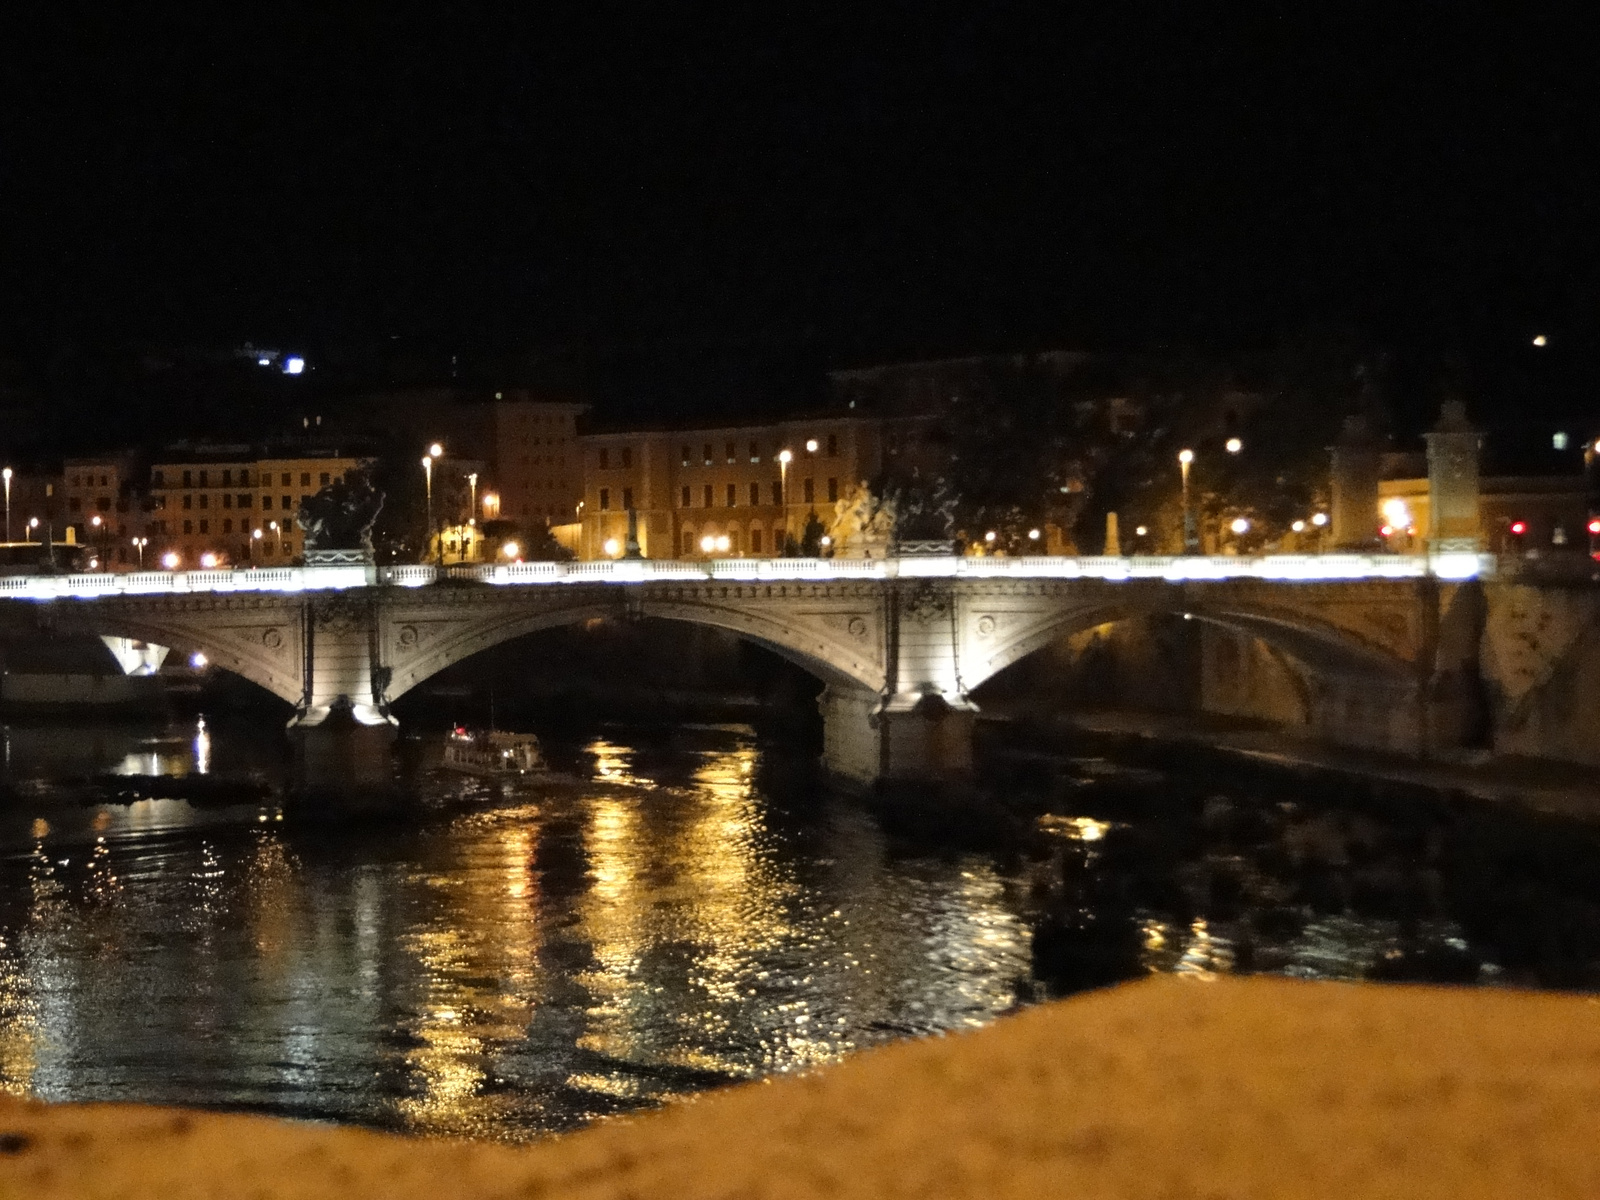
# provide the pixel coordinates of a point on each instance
(1284, 568)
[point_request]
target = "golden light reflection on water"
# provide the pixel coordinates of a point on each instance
(477, 950)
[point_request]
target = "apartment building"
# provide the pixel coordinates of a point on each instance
(536, 472)
(233, 505)
(727, 491)
(101, 499)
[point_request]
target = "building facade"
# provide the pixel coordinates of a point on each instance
(234, 506)
(731, 491)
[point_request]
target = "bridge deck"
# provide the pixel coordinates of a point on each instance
(1287, 568)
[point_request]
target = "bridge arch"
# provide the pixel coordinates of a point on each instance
(1325, 647)
(826, 639)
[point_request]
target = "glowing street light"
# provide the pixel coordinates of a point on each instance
(785, 457)
(1298, 526)
(1191, 534)
(1319, 519)
(510, 549)
(171, 560)
(198, 661)
(1233, 445)
(6, 475)
(1541, 340)
(1033, 535)
(811, 445)
(139, 543)
(708, 544)
(1239, 525)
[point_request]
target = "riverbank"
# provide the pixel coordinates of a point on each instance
(1166, 1087)
(1542, 786)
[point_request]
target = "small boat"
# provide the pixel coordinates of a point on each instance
(493, 754)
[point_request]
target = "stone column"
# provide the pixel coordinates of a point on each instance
(1454, 524)
(919, 729)
(1355, 486)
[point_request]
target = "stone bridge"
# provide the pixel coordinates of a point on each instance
(1392, 644)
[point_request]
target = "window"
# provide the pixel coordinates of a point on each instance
(833, 445)
(833, 490)
(755, 451)
(205, 500)
(303, 499)
(685, 455)
(188, 479)
(243, 500)
(227, 478)
(227, 500)
(708, 495)
(205, 526)
(732, 453)
(103, 503)
(324, 478)
(605, 459)
(627, 497)
(72, 504)
(686, 496)
(266, 502)
(627, 456)
(227, 525)
(755, 541)
(688, 541)
(284, 504)
(777, 493)
(305, 478)
(188, 500)
(708, 454)
(809, 491)
(244, 477)
(605, 497)
(733, 494)
(188, 526)
(285, 481)
(159, 479)
(204, 482)
(755, 493)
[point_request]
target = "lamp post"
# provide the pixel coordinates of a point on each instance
(6, 475)
(434, 451)
(472, 507)
(785, 457)
(139, 543)
(1191, 534)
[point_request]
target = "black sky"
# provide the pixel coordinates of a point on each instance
(867, 178)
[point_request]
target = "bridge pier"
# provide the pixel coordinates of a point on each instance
(342, 731)
(869, 739)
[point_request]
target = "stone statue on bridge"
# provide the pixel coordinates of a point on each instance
(341, 515)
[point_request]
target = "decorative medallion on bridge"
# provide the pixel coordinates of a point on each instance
(408, 635)
(926, 603)
(271, 639)
(857, 628)
(985, 625)
(340, 614)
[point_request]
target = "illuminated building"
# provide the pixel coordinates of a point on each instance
(213, 500)
(692, 488)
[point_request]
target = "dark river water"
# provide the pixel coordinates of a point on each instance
(697, 910)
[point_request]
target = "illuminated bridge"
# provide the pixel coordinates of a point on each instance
(1390, 640)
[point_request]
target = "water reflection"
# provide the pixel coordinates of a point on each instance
(503, 964)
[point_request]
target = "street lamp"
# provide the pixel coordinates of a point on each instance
(1233, 445)
(139, 543)
(6, 475)
(785, 457)
(472, 509)
(1191, 534)
(427, 471)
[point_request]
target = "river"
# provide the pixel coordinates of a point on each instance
(502, 963)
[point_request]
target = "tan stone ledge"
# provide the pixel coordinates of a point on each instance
(1166, 1088)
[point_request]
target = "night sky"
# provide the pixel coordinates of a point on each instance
(870, 180)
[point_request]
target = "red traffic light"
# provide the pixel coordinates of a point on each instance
(1519, 527)
(1594, 525)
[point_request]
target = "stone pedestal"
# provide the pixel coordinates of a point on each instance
(1454, 523)
(869, 740)
(1356, 468)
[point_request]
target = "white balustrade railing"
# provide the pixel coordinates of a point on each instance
(1285, 568)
